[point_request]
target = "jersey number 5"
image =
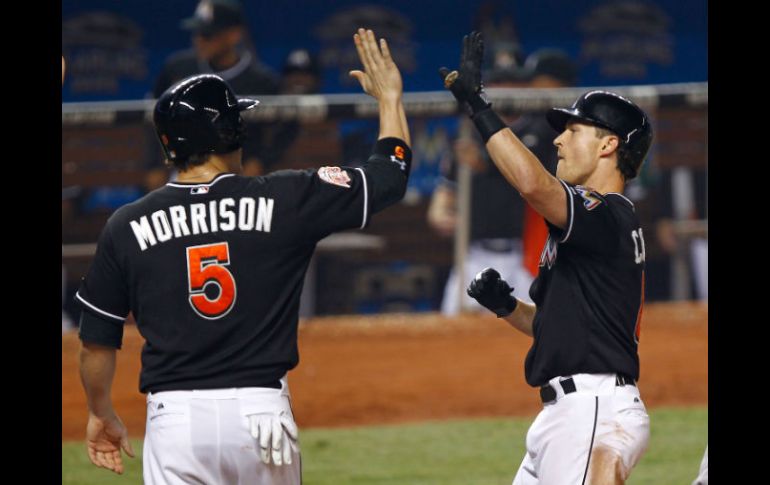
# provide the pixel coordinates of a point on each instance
(206, 265)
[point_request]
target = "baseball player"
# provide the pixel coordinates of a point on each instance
(589, 292)
(212, 266)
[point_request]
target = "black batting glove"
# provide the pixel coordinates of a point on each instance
(466, 86)
(489, 289)
(465, 83)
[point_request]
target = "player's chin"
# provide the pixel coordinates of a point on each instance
(562, 172)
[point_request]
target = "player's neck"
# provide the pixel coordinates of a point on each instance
(216, 164)
(607, 178)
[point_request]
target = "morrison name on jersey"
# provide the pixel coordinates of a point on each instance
(248, 214)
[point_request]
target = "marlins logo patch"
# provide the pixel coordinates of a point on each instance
(550, 250)
(334, 176)
(590, 200)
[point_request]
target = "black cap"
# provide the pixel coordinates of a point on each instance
(301, 60)
(212, 16)
(554, 63)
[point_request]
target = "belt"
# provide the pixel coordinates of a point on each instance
(548, 392)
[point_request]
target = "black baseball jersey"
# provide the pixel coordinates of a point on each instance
(213, 272)
(589, 290)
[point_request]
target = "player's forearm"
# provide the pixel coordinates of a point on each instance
(514, 160)
(393, 120)
(524, 171)
(404, 124)
(97, 370)
(522, 317)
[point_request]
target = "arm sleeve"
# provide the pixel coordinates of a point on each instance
(103, 295)
(591, 224)
(387, 172)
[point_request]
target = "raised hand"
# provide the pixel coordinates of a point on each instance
(380, 78)
(465, 82)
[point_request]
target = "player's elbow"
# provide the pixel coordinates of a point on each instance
(388, 191)
(535, 184)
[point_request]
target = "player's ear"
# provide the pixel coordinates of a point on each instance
(609, 144)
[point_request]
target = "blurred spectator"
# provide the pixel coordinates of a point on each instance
(510, 240)
(681, 211)
(220, 40)
(301, 75)
(219, 37)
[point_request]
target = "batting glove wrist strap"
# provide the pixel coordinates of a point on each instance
(508, 307)
(488, 123)
(477, 102)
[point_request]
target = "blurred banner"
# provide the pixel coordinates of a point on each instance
(116, 49)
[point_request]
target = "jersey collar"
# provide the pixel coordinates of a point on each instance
(185, 185)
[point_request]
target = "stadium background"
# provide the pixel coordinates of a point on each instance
(115, 49)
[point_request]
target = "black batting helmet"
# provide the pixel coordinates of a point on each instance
(199, 114)
(617, 114)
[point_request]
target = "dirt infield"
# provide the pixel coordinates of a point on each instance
(387, 369)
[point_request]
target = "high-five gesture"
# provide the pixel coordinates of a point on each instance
(380, 77)
(465, 82)
(381, 80)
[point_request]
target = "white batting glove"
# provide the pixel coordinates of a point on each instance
(276, 434)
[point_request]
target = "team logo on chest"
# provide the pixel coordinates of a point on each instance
(590, 200)
(548, 256)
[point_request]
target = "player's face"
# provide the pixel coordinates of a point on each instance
(578, 148)
(213, 47)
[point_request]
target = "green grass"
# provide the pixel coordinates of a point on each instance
(468, 452)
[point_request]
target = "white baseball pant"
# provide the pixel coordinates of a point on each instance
(594, 435)
(205, 437)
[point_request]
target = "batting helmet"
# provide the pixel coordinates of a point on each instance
(617, 114)
(200, 114)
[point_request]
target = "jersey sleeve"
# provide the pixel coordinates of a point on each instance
(336, 198)
(103, 295)
(591, 224)
(326, 200)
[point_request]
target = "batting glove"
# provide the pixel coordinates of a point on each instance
(465, 83)
(493, 292)
(276, 434)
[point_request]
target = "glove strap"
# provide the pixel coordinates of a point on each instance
(478, 102)
(488, 123)
(507, 308)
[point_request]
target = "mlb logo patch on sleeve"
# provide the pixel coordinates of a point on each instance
(334, 176)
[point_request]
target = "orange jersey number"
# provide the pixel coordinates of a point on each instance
(206, 265)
